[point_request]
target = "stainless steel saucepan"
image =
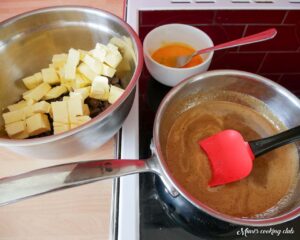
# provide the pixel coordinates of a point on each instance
(281, 102)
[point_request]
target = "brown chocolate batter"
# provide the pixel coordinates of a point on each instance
(272, 176)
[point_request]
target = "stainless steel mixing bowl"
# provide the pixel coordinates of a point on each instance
(27, 43)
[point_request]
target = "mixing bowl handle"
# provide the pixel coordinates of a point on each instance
(63, 176)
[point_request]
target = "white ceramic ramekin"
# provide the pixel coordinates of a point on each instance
(175, 33)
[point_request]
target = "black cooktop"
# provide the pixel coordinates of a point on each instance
(156, 222)
(277, 60)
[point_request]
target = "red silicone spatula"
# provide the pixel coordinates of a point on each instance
(231, 156)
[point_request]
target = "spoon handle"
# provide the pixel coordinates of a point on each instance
(264, 145)
(258, 37)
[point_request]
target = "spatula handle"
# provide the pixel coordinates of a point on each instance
(264, 145)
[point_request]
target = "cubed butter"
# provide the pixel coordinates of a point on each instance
(99, 52)
(80, 81)
(17, 106)
(21, 135)
(60, 127)
(72, 126)
(60, 111)
(15, 128)
(113, 58)
(79, 120)
(86, 110)
(112, 47)
(87, 72)
(41, 107)
(50, 76)
(108, 71)
(68, 86)
(37, 124)
(100, 88)
(75, 106)
(66, 98)
(33, 81)
(14, 116)
(71, 64)
(56, 92)
(84, 92)
(59, 60)
(38, 92)
(82, 53)
(28, 111)
(125, 47)
(94, 64)
(61, 74)
(114, 94)
(30, 102)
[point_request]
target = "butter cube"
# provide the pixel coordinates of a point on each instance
(80, 82)
(86, 110)
(17, 106)
(66, 98)
(41, 107)
(82, 53)
(21, 135)
(56, 92)
(113, 58)
(75, 106)
(14, 116)
(37, 124)
(79, 120)
(83, 92)
(26, 93)
(60, 111)
(38, 92)
(112, 47)
(50, 76)
(68, 86)
(60, 127)
(15, 128)
(33, 81)
(28, 111)
(125, 47)
(100, 88)
(30, 102)
(108, 71)
(114, 94)
(61, 74)
(59, 60)
(72, 126)
(99, 52)
(87, 72)
(71, 64)
(94, 64)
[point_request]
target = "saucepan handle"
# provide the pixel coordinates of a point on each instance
(63, 176)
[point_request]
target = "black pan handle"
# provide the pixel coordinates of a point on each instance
(264, 145)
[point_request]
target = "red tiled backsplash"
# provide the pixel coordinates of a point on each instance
(277, 59)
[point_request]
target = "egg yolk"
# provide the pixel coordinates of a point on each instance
(166, 55)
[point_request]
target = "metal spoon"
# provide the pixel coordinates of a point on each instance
(258, 37)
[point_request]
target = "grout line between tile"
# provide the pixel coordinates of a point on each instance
(284, 17)
(214, 17)
(280, 78)
(262, 62)
(243, 35)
